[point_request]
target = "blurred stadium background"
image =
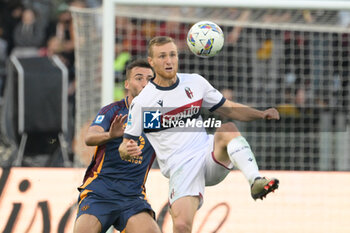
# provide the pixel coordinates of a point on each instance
(293, 56)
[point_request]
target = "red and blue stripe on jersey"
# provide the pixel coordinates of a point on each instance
(108, 175)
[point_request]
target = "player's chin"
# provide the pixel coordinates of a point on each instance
(169, 73)
(136, 93)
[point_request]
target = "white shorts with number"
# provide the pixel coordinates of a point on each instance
(202, 170)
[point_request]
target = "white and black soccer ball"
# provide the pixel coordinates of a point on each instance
(205, 39)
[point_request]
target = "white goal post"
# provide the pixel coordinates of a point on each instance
(109, 14)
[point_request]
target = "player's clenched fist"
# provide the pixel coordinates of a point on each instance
(129, 150)
(271, 114)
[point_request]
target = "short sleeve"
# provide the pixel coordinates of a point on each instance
(134, 125)
(103, 119)
(212, 98)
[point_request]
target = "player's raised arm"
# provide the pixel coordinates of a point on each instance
(96, 135)
(242, 112)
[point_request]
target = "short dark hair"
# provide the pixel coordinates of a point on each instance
(137, 63)
(158, 40)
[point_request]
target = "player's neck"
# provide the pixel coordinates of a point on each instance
(129, 99)
(164, 82)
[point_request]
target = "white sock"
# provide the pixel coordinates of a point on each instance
(243, 158)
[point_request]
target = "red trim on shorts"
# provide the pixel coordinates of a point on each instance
(221, 164)
(200, 195)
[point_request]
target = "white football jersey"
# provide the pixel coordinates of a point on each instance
(162, 113)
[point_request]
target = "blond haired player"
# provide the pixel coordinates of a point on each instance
(192, 159)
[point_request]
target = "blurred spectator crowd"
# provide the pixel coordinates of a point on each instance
(30, 28)
(38, 26)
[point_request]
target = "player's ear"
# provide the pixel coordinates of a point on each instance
(126, 84)
(149, 59)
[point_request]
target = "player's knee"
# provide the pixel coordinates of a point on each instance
(227, 132)
(181, 226)
(229, 127)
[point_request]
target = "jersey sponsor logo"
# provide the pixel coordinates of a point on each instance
(141, 142)
(189, 93)
(191, 110)
(151, 119)
(139, 159)
(99, 118)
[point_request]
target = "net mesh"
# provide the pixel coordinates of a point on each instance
(88, 44)
(295, 60)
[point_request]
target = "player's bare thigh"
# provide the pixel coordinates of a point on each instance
(222, 137)
(142, 223)
(87, 223)
(182, 212)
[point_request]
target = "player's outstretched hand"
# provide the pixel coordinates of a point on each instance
(271, 114)
(117, 127)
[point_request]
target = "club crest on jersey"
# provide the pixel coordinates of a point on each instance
(189, 93)
(85, 207)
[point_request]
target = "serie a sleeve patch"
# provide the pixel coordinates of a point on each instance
(99, 118)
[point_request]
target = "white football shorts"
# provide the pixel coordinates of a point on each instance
(202, 170)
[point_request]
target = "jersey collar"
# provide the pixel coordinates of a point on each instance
(126, 102)
(167, 88)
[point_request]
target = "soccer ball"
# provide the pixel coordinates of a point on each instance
(205, 39)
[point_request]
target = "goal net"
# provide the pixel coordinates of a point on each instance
(296, 60)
